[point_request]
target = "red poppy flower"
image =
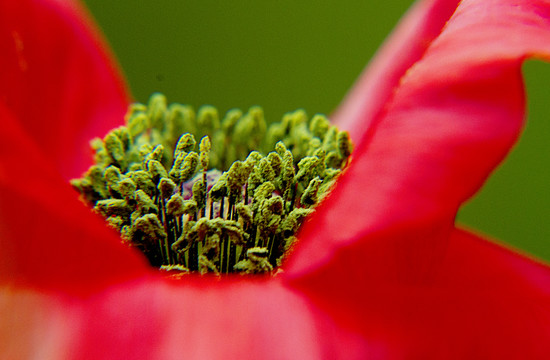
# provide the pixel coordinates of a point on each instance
(380, 270)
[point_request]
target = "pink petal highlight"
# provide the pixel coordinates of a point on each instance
(206, 319)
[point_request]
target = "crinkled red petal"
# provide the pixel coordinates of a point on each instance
(394, 277)
(454, 117)
(382, 251)
(57, 79)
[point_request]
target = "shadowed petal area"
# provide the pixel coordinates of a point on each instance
(481, 301)
(57, 79)
(405, 46)
(49, 239)
(58, 89)
(204, 319)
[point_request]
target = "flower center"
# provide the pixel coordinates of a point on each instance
(232, 205)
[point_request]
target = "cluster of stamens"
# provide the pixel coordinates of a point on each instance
(224, 208)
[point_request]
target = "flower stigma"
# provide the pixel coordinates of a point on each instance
(232, 204)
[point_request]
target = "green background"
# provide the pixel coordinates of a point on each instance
(285, 55)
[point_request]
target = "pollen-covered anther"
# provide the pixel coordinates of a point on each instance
(232, 204)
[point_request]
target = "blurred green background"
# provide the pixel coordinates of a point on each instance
(286, 54)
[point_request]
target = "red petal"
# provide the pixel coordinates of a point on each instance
(204, 319)
(452, 120)
(49, 239)
(57, 79)
(58, 89)
(381, 77)
(480, 301)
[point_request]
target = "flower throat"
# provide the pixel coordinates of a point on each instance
(232, 204)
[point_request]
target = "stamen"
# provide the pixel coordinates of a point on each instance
(233, 206)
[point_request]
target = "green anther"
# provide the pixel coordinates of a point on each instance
(329, 142)
(321, 167)
(267, 220)
(333, 159)
(115, 222)
(231, 229)
(230, 120)
(156, 111)
(179, 269)
(251, 127)
(204, 148)
(124, 135)
(298, 117)
(133, 109)
(202, 228)
(112, 178)
(319, 126)
(137, 124)
(113, 207)
(101, 156)
(254, 180)
(234, 203)
(95, 175)
(252, 165)
(288, 171)
(219, 190)
(211, 248)
(184, 167)
(344, 144)
(175, 206)
(186, 143)
(84, 187)
(181, 120)
(253, 159)
(275, 205)
(166, 187)
(331, 174)
(293, 221)
(151, 227)
(135, 167)
(144, 203)
(189, 207)
(266, 171)
(280, 148)
(264, 191)
(157, 170)
(206, 266)
(314, 146)
(155, 154)
(115, 149)
(310, 196)
(144, 150)
(143, 181)
(246, 216)
(199, 194)
(127, 188)
(257, 262)
(208, 120)
(235, 180)
(275, 162)
(307, 167)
